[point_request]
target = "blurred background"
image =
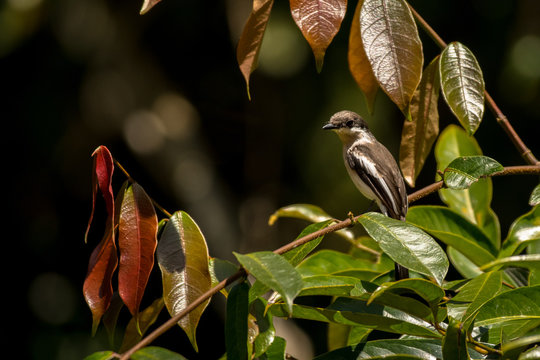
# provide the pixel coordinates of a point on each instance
(163, 92)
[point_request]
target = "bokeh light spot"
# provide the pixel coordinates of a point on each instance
(526, 56)
(144, 132)
(52, 298)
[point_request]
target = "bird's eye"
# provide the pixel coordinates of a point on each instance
(349, 123)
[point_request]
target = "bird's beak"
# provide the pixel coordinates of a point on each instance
(329, 126)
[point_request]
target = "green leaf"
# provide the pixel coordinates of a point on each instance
(328, 285)
(462, 85)
(513, 313)
(463, 265)
(531, 354)
(343, 335)
(472, 296)
(357, 313)
(512, 349)
(236, 323)
(100, 355)
(418, 135)
(331, 262)
(137, 327)
(276, 351)
(266, 331)
(156, 353)
(535, 196)
(454, 343)
(221, 270)
(389, 349)
(523, 231)
(407, 245)
(275, 272)
(462, 172)
(474, 202)
(454, 230)
(182, 256)
(393, 48)
(431, 293)
(529, 261)
(310, 213)
(294, 256)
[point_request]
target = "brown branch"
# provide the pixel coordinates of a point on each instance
(511, 170)
(502, 120)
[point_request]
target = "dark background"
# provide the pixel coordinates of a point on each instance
(163, 92)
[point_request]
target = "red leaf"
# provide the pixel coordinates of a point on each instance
(319, 21)
(97, 286)
(102, 172)
(137, 239)
(250, 42)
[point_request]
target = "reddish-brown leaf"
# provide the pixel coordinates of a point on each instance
(97, 286)
(137, 240)
(147, 5)
(319, 21)
(359, 65)
(418, 135)
(247, 52)
(393, 48)
(102, 172)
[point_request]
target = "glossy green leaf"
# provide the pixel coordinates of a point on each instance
(357, 313)
(137, 241)
(236, 323)
(407, 245)
(462, 85)
(419, 134)
(220, 270)
(474, 202)
(319, 22)
(530, 261)
(266, 331)
(359, 65)
(339, 335)
(100, 355)
(463, 171)
(454, 230)
(463, 265)
(249, 45)
(431, 293)
(276, 351)
(310, 213)
(389, 349)
(331, 262)
(294, 256)
(156, 353)
(512, 349)
(393, 47)
(535, 196)
(182, 256)
(328, 285)
(514, 313)
(137, 327)
(473, 295)
(454, 343)
(523, 231)
(275, 272)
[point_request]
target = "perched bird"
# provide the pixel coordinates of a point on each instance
(372, 168)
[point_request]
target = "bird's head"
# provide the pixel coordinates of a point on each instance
(348, 125)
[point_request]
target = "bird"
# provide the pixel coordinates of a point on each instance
(372, 168)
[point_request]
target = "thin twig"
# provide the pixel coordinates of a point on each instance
(502, 120)
(130, 179)
(511, 170)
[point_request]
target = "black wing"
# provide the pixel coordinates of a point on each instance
(382, 177)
